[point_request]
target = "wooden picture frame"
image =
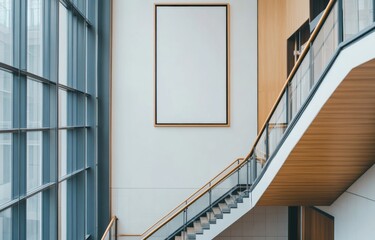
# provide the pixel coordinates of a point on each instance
(192, 65)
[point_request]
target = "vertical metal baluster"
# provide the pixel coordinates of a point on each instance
(185, 221)
(267, 143)
(116, 228)
(254, 168)
(110, 233)
(311, 66)
(287, 106)
(210, 202)
(340, 21)
(238, 173)
(247, 173)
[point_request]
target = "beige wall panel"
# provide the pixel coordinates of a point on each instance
(297, 12)
(277, 20)
(272, 54)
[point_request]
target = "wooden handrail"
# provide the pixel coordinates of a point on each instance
(185, 202)
(277, 125)
(195, 199)
(129, 235)
(149, 232)
(114, 218)
(327, 11)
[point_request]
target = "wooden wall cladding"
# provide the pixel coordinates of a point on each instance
(277, 21)
(317, 225)
(297, 12)
(271, 55)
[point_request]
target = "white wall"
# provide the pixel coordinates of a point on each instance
(154, 169)
(354, 210)
(261, 223)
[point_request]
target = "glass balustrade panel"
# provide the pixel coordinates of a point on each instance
(260, 151)
(198, 208)
(299, 88)
(224, 188)
(325, 44)
(277, 125)
(243, 175)
(170, 227)
(357, 15)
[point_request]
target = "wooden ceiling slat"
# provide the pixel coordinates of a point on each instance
(337, 148)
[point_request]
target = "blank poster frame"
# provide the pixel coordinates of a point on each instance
(226, 121)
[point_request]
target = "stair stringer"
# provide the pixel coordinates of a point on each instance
(349, 57)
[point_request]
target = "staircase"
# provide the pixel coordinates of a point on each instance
(221, 201)
(210, 215)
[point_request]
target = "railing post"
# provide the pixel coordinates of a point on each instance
(210, 198)
(340, 21)
(287, 105)
(210, 201)
(267, 142)
(311, 66)
(254, 169)
(247, 173)
(238, 172)
(116, 228)
(185, 220)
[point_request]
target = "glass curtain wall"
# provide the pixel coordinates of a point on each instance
(48, 125)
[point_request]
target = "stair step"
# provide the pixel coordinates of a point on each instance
(239, 198)
(178, 238)
(190, 233)
(244, 194)
(211, 217)
(182, 237)
(198, 227)
(217, 213)
(224, 208)
(231, 202)
(205, 223)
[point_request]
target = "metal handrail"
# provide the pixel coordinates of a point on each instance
(317, 29)
(113, 221)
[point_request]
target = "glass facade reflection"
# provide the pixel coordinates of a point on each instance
(6, 31)
(47, 143)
